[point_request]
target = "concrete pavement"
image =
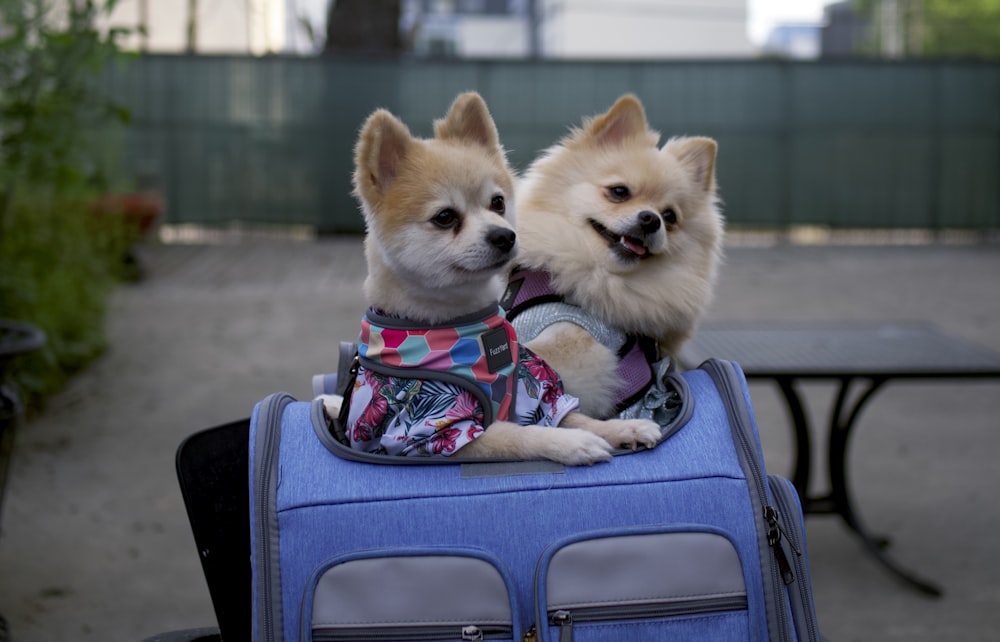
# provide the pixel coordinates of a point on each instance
(95, 543)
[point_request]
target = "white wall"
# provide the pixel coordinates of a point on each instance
(492, 37)
(645, 29)
(223, 26)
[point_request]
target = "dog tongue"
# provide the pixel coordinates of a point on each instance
(635, 248)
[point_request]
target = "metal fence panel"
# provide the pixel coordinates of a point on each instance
(846, 144)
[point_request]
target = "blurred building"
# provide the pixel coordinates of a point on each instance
(462, 28)
(843, 30)
(223, 26)
(798, 41)
(468, 28)
(578, 28)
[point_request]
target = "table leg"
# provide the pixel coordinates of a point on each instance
(842, 420)
(803, 444)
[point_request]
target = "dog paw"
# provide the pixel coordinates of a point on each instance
(632, 433)
(331, 404)
(582, 448)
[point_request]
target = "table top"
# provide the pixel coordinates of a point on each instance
(824, 349)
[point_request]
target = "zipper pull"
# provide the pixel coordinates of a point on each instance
(472, 632)
(774, 533)
(564, 620)
(530, 635)
(775, 521)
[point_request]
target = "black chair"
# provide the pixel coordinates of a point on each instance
(212, 468)
(16, 339)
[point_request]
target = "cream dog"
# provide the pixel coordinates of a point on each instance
(627, 236)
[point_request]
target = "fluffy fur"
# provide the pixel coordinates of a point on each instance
(629, 231)
(439, 215)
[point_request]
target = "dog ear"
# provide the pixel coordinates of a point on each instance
(696, 155)
(469, 119)
(624, 120)
(382, 146)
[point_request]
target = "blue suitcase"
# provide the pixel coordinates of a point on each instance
(691, 540)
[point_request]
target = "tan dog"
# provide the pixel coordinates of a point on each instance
(440, 236)
(629, 232)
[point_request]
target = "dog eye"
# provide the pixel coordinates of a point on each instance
(670, 216)
(498, 205)
(619, 193)
(446, 218)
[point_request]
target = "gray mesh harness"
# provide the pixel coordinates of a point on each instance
(532, 305)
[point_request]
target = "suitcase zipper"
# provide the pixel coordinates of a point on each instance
(721, 372)
(274, 407)
(774, 533)
(786, 504)
(416, 633)
(565, 619)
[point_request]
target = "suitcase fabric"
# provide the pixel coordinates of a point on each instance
(690, 540)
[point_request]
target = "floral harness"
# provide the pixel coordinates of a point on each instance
(423, 390)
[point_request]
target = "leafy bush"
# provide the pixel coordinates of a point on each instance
(57, 274)
(58, 259)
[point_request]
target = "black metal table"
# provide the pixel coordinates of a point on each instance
(867, 353)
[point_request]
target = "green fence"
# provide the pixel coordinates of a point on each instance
(853, 144)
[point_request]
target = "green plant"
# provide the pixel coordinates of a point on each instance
(933, 28)
(58, 261)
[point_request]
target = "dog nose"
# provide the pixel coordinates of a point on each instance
(501, 238)
(649, 221)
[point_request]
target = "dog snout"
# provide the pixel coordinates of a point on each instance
(649, 221)
(501, 238)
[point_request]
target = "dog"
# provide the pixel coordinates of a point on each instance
(441, 371)
(627, 236)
